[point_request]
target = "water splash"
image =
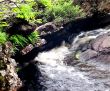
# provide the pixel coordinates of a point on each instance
(56, 76)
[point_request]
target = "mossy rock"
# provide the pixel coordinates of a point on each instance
(2, 83)
(77, 55)
(2, 65)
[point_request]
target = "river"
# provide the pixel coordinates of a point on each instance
(57, 75)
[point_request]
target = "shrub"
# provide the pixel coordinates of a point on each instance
(61, 10)
(25, 11)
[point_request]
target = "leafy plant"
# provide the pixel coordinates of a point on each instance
(3, 37)
(33, 37)
(20, 41)
(25, 11)
(61, 10)
(46, 3)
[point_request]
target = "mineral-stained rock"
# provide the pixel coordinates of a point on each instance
(27, 49)
(12, 77)
(9, 80)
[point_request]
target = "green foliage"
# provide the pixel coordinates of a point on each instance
(3, 37)
(58, 10)
(3, 24)
(25, 11)
(46, 3)
(33, 37)
(18, 40)
(61, 9)
(21, 41)
(2, 81)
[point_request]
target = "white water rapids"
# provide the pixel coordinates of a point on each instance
(57, 76)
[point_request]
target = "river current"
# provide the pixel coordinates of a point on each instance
(81, 76)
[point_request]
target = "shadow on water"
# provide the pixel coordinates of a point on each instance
(30, 77)
(30, 74)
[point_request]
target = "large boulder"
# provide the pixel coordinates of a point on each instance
(88, 54)
(101, 43)
(99, 50)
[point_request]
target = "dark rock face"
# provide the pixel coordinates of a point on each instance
(20, 26)
(93, 6)
(30, 76)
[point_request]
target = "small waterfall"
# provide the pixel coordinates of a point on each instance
(57, 76)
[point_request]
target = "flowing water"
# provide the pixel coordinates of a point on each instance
(82, 76)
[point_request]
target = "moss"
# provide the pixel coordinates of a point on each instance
(2, 82)
(77, 55)
(2, 65)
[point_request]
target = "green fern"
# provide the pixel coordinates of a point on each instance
(61, 9)
(18, 40)
(25, 11)
(3, 37)
(33, 37)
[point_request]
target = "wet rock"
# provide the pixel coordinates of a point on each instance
(99, 50)
(103, 58)
(95, 48)
(40, 42)
(102, 43)
(47, 28)
(27, 49)
(88, 54)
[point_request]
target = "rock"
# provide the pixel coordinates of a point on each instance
(92, 6)
(20, 26)
(102, 43)
(12, 77)
(47, 28)
(27, 49)
(98, 50)
(40, 42)
(88, 54)
(9, 80)
(9, 77)
(103, 58)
